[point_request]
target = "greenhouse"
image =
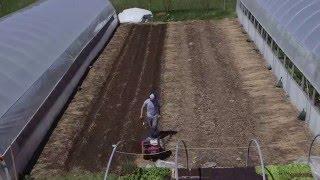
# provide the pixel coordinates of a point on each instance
(45, 49)
(287, 35)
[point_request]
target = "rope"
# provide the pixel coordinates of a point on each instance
(205, 148)
(245, 147)
(141, 154)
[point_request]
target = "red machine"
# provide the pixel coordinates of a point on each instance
(151, 147)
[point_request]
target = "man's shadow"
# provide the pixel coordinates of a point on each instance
(163, 134)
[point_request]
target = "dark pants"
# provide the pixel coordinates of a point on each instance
(153, 125)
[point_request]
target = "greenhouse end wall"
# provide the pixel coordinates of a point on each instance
(295, 92)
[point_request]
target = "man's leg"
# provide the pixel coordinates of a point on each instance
(155, 122)
(149, 121)
(155, 127)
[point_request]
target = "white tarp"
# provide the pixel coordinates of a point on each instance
(133, 15)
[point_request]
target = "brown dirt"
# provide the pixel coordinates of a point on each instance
(283, 136)
(131, 69)
(216, 92)
(55, 154)
(115, 116)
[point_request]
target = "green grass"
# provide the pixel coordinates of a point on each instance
(289, 172)
(183, 15)
(153, 173)
(72, 176)
(9, 6)
(179, 10)
(171, 5)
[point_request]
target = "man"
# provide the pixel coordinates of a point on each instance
(152, 112)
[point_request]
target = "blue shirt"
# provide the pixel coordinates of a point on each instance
(151, 109)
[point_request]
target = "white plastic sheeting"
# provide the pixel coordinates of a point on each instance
(295, 27)
(133, 15)
(44, 51)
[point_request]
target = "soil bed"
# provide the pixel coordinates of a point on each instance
(115, 116)
(216, 95)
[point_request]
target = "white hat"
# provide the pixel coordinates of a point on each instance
(152, 96)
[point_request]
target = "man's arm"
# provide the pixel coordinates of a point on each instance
(141, 111)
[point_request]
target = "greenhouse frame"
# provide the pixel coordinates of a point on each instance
(287, 34)
(45, 50)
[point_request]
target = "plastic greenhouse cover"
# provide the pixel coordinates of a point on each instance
(37, 46)
(295, 27)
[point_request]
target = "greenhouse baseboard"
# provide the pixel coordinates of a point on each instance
(295, 92)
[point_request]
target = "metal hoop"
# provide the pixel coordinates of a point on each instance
(176, 157)
(260, 156)
(110, 160)
(310, 148)
(5, 167)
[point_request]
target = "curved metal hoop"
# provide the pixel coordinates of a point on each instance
(310, 148)
(176, 157)
(110, 160)
(6, 171)
(260, 156)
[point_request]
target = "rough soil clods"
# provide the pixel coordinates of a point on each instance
(218, 93)
(115, 116)
(107, 109)
(215, 90)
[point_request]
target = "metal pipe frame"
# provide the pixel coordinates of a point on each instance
(4, 167)
(115, 146)
(176, 157)
(260, 156)
(310, 148)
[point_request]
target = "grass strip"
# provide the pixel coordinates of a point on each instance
(184, 15)
(152, 173)
(288, 172)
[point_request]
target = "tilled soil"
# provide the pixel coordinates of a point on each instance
(107, 109)
(216, 95)
(115, 116)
